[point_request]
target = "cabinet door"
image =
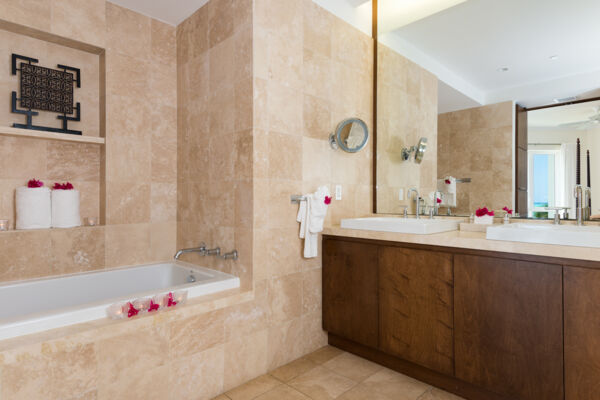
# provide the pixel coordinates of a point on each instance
(508, 326)
(582, 333)
(416, 307)
(350, 291)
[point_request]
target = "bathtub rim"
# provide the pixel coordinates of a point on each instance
(232, 282)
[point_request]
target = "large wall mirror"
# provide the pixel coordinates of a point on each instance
(501, 90)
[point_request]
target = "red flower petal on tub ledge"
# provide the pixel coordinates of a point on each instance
(153, 306)
(170, 301)
(327, 200)
(132, 312)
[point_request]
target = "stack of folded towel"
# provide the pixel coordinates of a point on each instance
(33, 207)
(311, 215)
(447, 187)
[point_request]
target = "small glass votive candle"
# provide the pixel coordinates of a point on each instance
(90, 221)
(4, 224)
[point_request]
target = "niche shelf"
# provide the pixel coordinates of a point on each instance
(29, 133)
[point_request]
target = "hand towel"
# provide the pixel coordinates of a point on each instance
(311, 215)
(33, 208)
(65, 208)
(448, 191)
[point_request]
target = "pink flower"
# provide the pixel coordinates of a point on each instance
(327, 200)
(153, 306)
(34, 183)
(132, 312)
(447, 181)
(438, 200)
(508, 210)
(63, 186)
(170, 301)
(483, 211)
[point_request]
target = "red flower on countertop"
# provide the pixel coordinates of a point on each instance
(508, 210)
(327, 200)
(132, 312)
(483, 212)
(448, 181)
(153, 306)
(34, 183)
(62, 186)
(170, 301)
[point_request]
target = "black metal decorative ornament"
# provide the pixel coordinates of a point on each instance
(45, 89)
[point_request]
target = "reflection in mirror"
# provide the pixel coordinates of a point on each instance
(351, 135)
(451, 71)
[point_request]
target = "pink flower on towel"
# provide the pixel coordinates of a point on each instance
(447, 181)
(170, 301)
(132, 312)
(63, 186)
(438, 200)
(153, 306)
(508, 210)
(34, 183)
(327, 200)
(483, 211)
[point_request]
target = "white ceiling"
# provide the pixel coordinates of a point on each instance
(469, 42)
(554, 117)
(172, 12)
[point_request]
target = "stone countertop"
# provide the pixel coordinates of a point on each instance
(471, 240)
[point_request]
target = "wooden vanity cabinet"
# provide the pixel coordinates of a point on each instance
(350, 301)
(508, 326)
(416, 306)
(582, 333)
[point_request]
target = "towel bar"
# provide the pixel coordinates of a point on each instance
(463, 180)
(297, 198)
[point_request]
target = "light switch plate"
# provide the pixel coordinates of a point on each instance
(338, 192)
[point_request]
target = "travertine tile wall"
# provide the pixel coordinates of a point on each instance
(141, 141)
(306, 71)
(214, 54)
(477, 143)
(406, 111)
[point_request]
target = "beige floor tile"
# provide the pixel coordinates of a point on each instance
(324, 354)
(352, 367)
(221, 397)
(283, 392)
(395, 386)
(362, 392)
(322, 384)
(254, 388)
(437, 394)
(293, 369)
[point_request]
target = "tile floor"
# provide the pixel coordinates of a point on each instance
(330, 373)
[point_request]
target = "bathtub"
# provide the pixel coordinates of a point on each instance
(40, 304)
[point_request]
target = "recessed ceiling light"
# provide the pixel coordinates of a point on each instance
(502, 69)
(554, 57)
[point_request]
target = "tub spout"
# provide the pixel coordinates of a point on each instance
(200, 249)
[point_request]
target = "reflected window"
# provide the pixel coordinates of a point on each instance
(542, 182)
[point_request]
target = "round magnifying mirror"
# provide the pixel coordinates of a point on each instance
(351, 135)
(420, 150)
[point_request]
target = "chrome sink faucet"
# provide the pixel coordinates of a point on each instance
(417, 200)
(200, 249)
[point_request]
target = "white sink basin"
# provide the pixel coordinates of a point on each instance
(422, 226)
(568, 235)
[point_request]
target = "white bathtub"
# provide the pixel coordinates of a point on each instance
(41, 304)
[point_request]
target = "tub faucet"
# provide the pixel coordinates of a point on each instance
(417, 200)
(200, 249)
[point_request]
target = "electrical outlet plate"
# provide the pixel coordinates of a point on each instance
(338, 192)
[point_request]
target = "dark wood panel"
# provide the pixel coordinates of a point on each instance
(508, 326)
(350, 291)
(521, 145)
(442, 381)
(582, 333)
(416, 306)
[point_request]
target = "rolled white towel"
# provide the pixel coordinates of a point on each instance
(65, 208)
(33, 208)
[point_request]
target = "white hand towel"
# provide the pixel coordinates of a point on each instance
(33, 208)
(311, 215)
(448, 191)
(65, 208)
